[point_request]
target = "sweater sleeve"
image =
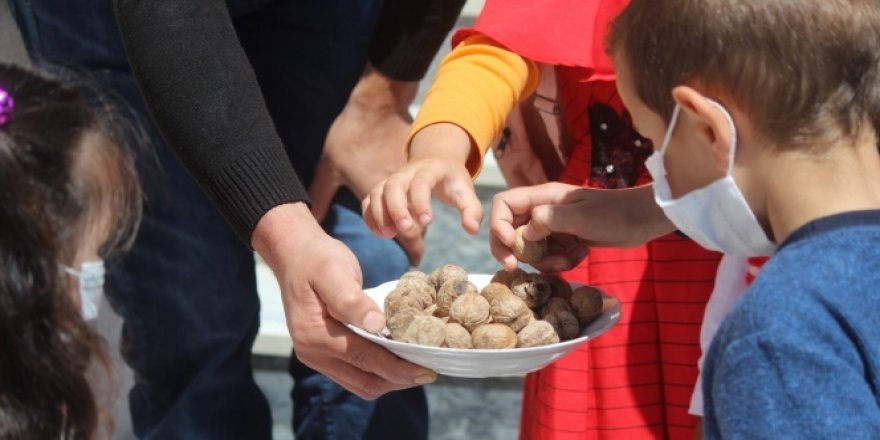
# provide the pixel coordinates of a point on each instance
(205, 99)
(773, 385)
(476, 88)
(409, 34)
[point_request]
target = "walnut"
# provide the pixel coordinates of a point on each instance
(564, 322)
(494, 336)
(401, 298)
(470, 310)
(416, 274)
(553, 304)
(400, 320)
(494, 290)
(457, 337)
(446, 273)
(425, 330)
(558, 286)
(423, 289)
(449, 292)
(505, 277)
(528, 251)
(586, 303)
(509, 309)
(532, 289)
(609, 302)
(537, 333)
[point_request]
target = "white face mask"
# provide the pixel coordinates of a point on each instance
(716, 216)
(91, 287)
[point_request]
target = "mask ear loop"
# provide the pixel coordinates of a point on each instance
(733, 144)
(672, 122)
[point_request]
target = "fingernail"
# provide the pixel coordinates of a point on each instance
(388, 230)
(425, 379)
(404, 224)
(373, 322)
(424, 219)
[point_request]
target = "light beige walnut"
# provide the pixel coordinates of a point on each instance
(531, 288)
(457, 337)
(494, 336)
(494, 290)
(426, 330)
(558, 286)
(447, 272)
(421, 288)
(416, 274)
(505, 277)
(528, 251)
(470, 310)
(449, 292)
(537, 333)
(401, 298)
(509, 309)
(564, 322)
(400, 320)
(586, 303)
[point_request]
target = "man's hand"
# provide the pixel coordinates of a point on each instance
(573, 218)
(321, 286)
(365, 145)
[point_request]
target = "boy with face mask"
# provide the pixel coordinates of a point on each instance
(767, 140)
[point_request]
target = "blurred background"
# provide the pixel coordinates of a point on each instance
(460, 408)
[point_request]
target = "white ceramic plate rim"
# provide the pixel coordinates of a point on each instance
(602, 324)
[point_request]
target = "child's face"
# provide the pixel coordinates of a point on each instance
(689, 163)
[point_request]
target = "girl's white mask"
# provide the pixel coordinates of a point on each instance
(716, 216)
(91, 287)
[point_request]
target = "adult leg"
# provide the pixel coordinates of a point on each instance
(308, 55)
(186, 290)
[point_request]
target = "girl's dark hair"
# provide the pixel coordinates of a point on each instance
(802, 70)
(63, 172)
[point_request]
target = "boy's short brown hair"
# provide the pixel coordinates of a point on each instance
(802, 70)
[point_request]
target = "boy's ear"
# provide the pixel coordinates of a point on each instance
(712, 127)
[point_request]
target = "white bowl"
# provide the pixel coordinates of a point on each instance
(483, 362)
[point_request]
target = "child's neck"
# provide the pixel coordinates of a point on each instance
(802, 187)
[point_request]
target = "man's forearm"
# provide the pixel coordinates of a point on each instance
(409, 34)
(205, 99)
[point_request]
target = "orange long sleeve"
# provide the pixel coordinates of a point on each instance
(476, 88)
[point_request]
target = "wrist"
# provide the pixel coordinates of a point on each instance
(280, 226)
(442, 140)
(376, 92)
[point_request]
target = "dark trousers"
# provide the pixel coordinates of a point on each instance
(187, 289)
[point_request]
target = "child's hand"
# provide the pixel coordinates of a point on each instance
(437, 165)
(573, 218)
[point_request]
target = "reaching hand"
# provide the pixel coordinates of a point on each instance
(365, 145)
(321, 289)
(572, 219)
(437, 166)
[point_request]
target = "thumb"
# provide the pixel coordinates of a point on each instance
(322, 190)
(341, 290)
(463, 197)
(549, 219)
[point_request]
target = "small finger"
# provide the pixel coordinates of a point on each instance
(396, 202)
(420, 190)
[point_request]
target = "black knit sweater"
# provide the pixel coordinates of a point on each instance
(196, 79)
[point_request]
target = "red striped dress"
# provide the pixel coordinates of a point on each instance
(636, 380)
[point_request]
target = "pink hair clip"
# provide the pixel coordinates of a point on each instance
(6, 106)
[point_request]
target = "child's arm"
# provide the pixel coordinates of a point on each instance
(476, 87)
(574, 218)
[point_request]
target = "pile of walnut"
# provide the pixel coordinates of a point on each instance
(517, 309)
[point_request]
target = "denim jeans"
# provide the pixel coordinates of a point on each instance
(187, 289)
